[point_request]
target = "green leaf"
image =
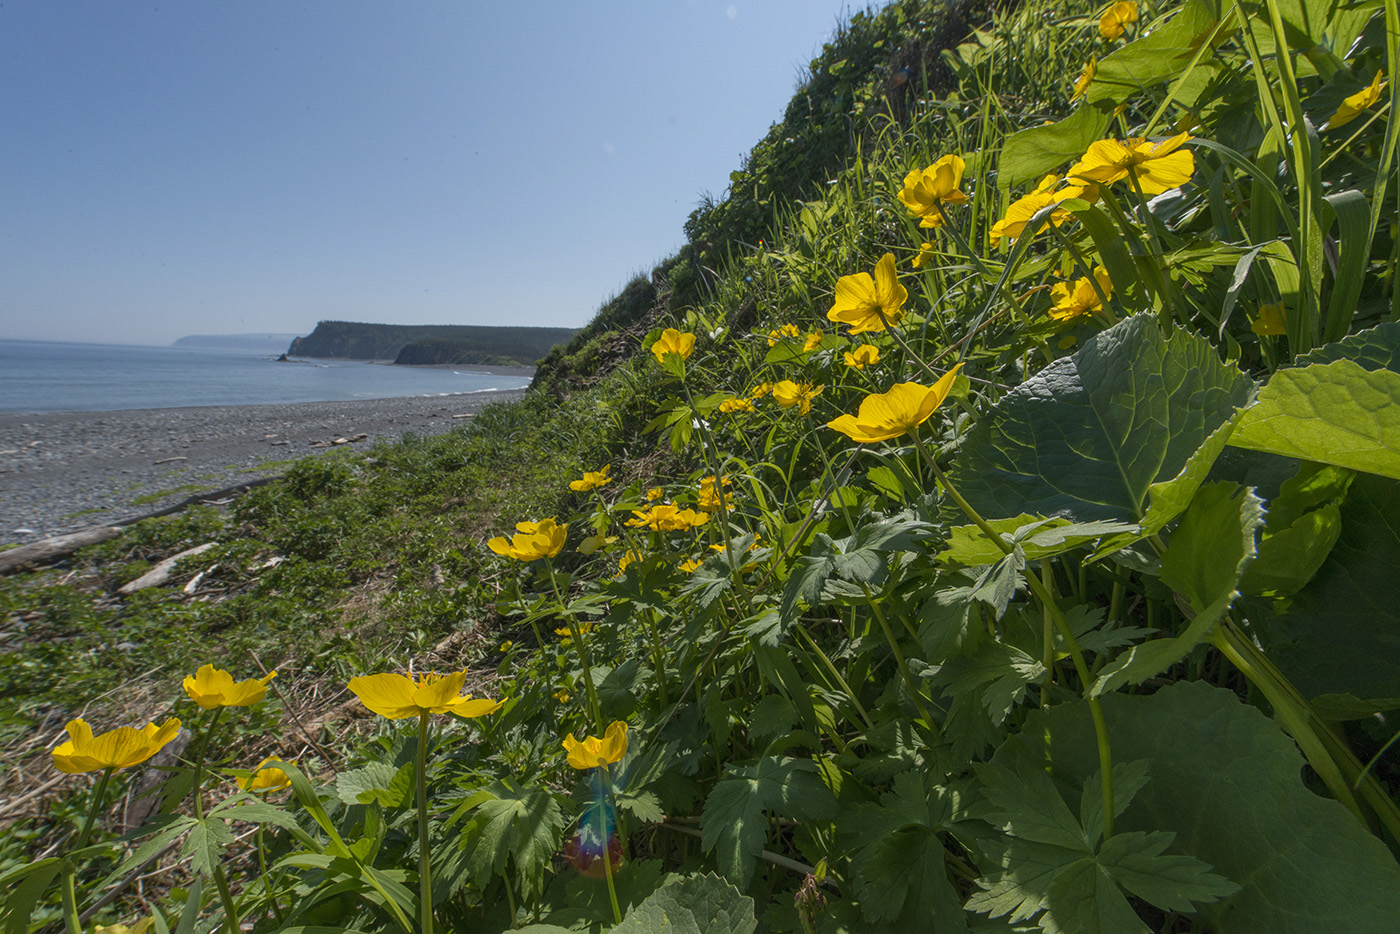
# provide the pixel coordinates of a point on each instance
(205, 845)
(1158, 56)
(732, 823)
(1376, 348)
(1137, 862)
(1030, 153)
(253, 811)
(1335, 413)
(1341, 633)
(1090, 435)
(23, 888)
(898, 860)
(361, 786)
(700, 904)
(513, 820)
(1030, 808)
(643, 805)
(1038, 537)
(1227, 781)
(998, 673)
(1084, 899)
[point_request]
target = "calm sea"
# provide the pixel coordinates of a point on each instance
(40, 376)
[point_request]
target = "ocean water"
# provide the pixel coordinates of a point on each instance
(42, 376)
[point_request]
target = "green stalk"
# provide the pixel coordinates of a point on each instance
(1048, 604)
(836, 674)
(220, 880)
(1047, 642)
(69, 886)
(425, 878)
(584, 659)
(904, 671)
(267, 877)
(607, 855)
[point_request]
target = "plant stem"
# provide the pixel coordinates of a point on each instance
(1048, 604)
(607, 858)
(577, 636)
(904, 671)
(425, 879)
(68, 886)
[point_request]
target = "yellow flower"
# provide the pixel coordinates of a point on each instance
(1117, 18)
(868, 304)
(566, 634)
(814, 340)
(1157, 166)
(1355, 105)
(562, 696)
(654, 494)
(863, 356)
(736, 405)
(1081, 84)
(709, 498)
(534, 540)
(593, 752)
(399, 696)
(925, 255)
(115, 749)
(926, 190)
(1071, 301)
(211, 687)
(507, 645)
(679, 343)
(141, 927)
(594, 542)
(690, 565)
(1024, 208)
(1270, 321)
(267, 777)
(788, 394)
(628, 559)
(761, 390)
(666, 517)
(592, 479)
(786, 331)
(890, 414)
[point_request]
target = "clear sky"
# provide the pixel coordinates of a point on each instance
(200, 167)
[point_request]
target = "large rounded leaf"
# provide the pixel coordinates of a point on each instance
(1106, 433)
(1226, 780)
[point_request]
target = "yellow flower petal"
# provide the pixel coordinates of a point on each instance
(211, 687)
(115, 749)
(592, 752)
(1357, 104)
(866, 303)
(890, 414)
(387, 694)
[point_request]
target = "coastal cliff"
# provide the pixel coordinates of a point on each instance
(434, 343)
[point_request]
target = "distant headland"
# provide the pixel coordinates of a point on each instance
(430, 344)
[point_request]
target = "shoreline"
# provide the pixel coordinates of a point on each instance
(63, 471)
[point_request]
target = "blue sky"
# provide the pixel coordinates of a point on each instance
(198, 167)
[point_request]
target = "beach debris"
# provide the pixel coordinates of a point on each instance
(466, 415)
(161, 572)
(169, 460)
(43, 552)
(195, 581)
(351, 440)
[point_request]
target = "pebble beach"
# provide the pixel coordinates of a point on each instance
(60, 472)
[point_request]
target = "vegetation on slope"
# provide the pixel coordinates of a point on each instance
(520, 346)
(1088, 627)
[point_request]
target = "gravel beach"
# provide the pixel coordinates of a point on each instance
(65, 471)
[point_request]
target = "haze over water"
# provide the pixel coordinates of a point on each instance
(43, 376)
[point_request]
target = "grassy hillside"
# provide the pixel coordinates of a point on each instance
(930, 545)
(520, 346)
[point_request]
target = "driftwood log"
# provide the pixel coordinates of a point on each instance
(38, 554)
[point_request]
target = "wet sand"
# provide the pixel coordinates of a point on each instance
(70, 470)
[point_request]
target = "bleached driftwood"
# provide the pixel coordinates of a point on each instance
(40, 553)
(161, 572)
